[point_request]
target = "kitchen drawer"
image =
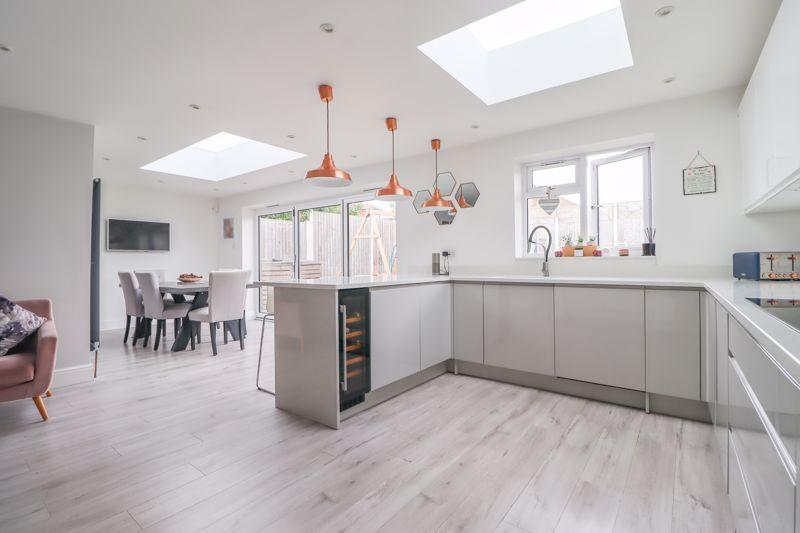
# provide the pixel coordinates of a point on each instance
(777, 393)
(741, 510)
(769, 484)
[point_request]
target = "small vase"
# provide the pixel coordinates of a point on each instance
(588, 250)
(568, 251)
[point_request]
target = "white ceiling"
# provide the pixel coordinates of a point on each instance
(133, 68)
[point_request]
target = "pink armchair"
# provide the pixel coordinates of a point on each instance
(27, 371)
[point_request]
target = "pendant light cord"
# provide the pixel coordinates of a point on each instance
(436, 169)
(327, 126)
(392, 152)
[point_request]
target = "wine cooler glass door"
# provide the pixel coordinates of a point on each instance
(354, 368)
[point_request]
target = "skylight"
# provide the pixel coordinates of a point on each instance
(533, 46)
(220, 142)
(222, 156)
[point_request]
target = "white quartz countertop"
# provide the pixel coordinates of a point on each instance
(778, 338)
(357, 282)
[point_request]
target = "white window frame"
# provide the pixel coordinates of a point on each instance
(647, 200)
(585, 185)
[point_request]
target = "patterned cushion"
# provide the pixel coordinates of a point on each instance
(16, 323)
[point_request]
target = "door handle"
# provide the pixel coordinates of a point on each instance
(343, 311)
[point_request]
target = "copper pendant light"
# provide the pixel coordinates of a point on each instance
(437, 203)
(327, 175)
(393, 190)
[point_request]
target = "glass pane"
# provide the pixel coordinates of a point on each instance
(565, 220)
(320, 242)
(552, 176)
(372, 228)
(620, 196)
(276, 247)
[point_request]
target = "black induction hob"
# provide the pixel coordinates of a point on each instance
(785, 310)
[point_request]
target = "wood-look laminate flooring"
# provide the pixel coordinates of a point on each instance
(177, 442)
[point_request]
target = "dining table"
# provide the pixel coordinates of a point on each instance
(199, 291)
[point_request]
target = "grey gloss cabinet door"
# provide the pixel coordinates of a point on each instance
(600, 335)
(435, 323)
(741, 508)
(394, 335)
(721, 398)
(672, 333)
(769, 484)
(468, 322)
(518, 328)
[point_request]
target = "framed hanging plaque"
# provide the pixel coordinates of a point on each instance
(699, 179)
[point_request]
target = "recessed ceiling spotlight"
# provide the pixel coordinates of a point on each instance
(106, 159)
(195, 107)
(244, 183)
(5, 48)
(141, 138)
(290, 136)
(215, 189)
(354, 156)
(474, 126)
(664, 11)
(291, 172)
(669, 80)
(160, 181)
(326, 27)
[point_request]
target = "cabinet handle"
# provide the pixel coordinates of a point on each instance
(343, 311)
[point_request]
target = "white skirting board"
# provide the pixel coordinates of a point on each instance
(72, 375)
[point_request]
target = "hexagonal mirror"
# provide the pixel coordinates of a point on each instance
(421, 197)
(467, 195)
(445, 218)
(446, 182)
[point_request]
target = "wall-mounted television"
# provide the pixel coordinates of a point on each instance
(136, 236)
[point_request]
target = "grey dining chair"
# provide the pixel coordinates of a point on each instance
(227, 291)
(134, 307)
(156, 307)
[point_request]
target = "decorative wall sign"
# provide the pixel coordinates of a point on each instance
(227, 228)
(699, 180)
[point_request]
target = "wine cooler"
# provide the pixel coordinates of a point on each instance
(354, 357)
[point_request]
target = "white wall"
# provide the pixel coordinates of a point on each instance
(194, 243)
(696, 234)
(45, 203)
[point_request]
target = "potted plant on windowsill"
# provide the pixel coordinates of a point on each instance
(567, 249)
(579, 248)
(590, 247)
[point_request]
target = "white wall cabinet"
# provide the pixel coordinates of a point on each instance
(394, 334)
(435, 301)
(468, 322)
(769, 114)
(672, 333)
(600, 335)
(518, 328)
